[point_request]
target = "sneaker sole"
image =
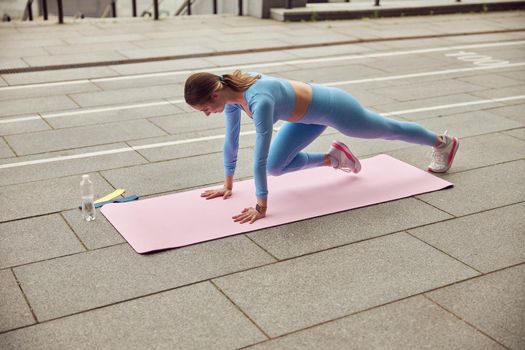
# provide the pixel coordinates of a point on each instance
(343, 148)
(451, 156)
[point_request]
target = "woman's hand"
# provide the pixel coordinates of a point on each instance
(224, 192)
(249, 214)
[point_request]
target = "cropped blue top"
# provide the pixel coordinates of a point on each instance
(269, 99)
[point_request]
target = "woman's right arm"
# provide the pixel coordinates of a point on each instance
(232, 115)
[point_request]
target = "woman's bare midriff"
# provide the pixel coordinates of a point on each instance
(303, 97)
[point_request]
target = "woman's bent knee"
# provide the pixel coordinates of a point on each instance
(274, 169)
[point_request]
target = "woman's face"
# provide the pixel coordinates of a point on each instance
(213, 105)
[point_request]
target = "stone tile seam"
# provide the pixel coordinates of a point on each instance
(207, 130)
(9, 146)
(277, 260)
(465, 321)
(233, 52)
(245, 270)
(248, 177)
(70, 97)
(513, 136)
(244, 313)
(35, 319)
(442, 251)
(43, 119)
(156, 127)
(382, 305)
(435, 207)
(138, 152)
(61, 214)
(260, 247)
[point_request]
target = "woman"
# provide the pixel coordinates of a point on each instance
(308, 109)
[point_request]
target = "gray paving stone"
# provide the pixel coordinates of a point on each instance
(302, 292)
(514, 74)
(52, 75)
(100, 116)
(329, 231)
(45, 197)
(473, 152)
(153, 67)
(84, 281)
(329, 51)
(413, 323)
(35, 92)
(333, 74)
(36, 105)
(35, 61)
(95, 234)
(177, 174)
(55, 140)
(514, 112)
(486, 241)
(40, 238)
(16, 44)
(5, 151)
(145, 81)
(491, 81)
(190, 149)
(246, 45)
(12, 303)
(193, 122)
(438, 88)
(193, 317)
(165, 51)
(2, 82)
(95, 39)
(502, 183)
(439, 103)
(12, 127)
(172, 39)
(87, 48)
(494, 304)
(470, 123)
(23, 52)
(135, 95)
(518, 133)
(64, 167)
(12, 63)
(502, 92)
(250, 58)
(411, 63)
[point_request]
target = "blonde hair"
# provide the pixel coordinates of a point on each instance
(199, 86)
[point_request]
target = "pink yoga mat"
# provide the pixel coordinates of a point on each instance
(185, 218)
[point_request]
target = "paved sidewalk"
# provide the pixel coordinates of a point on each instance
(443, 270)
(111, 41)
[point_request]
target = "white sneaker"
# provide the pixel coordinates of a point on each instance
(443, 156)
(346, 160)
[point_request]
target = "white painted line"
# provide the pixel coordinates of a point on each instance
(216, 137)
(104, 109)
(454, 105)
(336, 83)
(424, 74)
(17, 120)
(272, 64)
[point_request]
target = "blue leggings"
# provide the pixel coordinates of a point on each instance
(338, 109)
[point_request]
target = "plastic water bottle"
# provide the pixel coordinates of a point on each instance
(86, 191)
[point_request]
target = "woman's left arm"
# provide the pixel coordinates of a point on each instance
(262, 111)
